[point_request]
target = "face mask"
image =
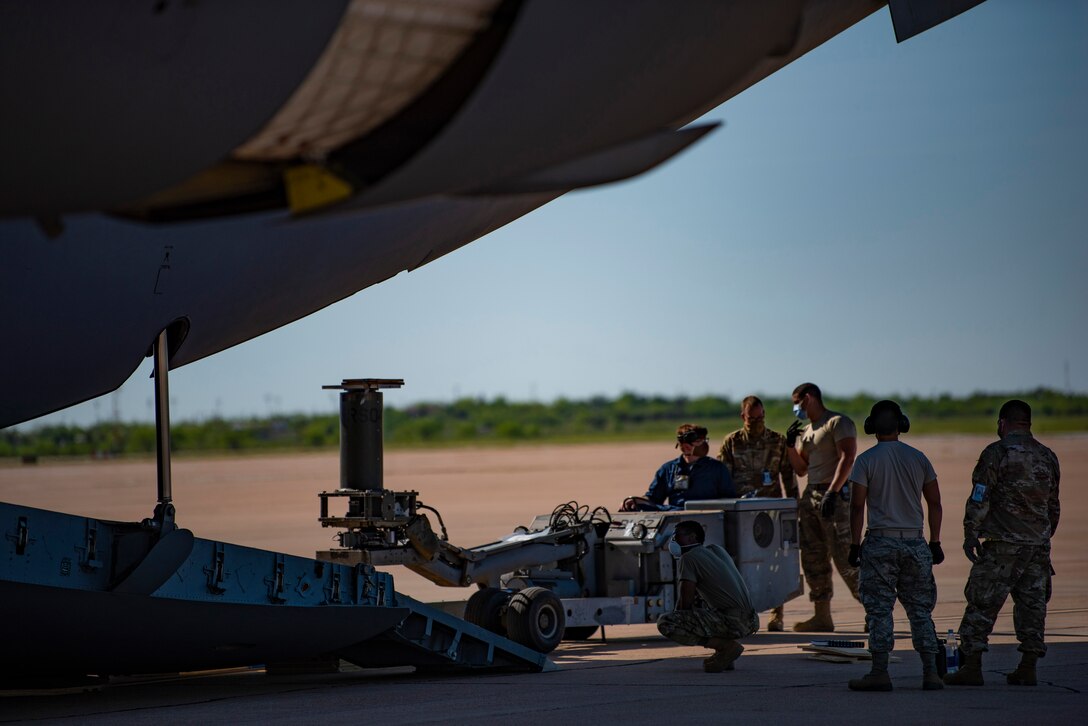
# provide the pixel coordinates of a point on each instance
(799, 412)
(755, 427)
(674, 549)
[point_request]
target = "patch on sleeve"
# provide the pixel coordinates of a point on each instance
(979, 492)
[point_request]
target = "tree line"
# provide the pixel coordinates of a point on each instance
(630, 416)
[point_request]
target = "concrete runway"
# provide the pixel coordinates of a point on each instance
(633, 676)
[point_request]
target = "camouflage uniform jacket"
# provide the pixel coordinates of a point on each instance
(1014, 493)
(748, 456)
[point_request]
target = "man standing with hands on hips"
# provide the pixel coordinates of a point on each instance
(825, 451)
(891, 479)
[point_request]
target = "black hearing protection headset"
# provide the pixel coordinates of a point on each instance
(880, 407)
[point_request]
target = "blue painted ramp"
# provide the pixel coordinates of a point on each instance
(83, 596)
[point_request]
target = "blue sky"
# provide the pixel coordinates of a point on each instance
(875, 217)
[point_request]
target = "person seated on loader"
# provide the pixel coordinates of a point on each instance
(690, 477)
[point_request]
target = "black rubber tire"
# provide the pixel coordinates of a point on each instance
(535, 618)
(580, 632)
(486, 608)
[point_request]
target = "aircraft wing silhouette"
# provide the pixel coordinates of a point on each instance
(223, 169)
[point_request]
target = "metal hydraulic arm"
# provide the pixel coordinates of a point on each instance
(445, 564)
(384, 527)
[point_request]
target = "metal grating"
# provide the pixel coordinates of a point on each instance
(383, 55)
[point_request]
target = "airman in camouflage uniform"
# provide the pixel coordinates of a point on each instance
(826, 452)
(1013, 507)
(756, 457)
(890, 480)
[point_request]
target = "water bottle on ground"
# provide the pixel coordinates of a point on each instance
(952, 652)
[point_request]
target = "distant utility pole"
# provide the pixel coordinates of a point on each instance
(1068, 387)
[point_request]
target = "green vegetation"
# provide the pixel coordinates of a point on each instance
(630, 417)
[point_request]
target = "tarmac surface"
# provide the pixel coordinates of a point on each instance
(632, 675)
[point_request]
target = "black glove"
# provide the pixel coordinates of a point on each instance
(854, 558)
(827, 508)
(793, 432)
(938, 553)
(972, 548)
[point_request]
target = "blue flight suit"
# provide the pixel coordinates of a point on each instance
(707, 478)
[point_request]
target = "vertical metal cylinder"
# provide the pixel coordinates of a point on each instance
(162, 416)
(361, 415)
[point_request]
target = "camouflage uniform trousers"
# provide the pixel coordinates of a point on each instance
(1004, 568)
(824, 540)
(696, 626)
(894, 568)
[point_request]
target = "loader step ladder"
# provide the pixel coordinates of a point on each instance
(433, 640)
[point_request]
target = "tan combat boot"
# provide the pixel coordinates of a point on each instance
(725, 652)
(877, 679)
(774, 625)
(1024, 675)
(970, 672)
(931, 681)
(871, 682)
(821, 622)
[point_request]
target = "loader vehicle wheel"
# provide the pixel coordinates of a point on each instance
(581, 632)
(486, 608)
(535, 619)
